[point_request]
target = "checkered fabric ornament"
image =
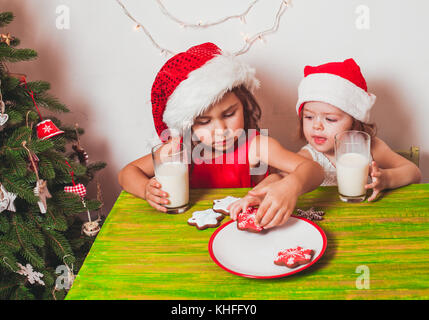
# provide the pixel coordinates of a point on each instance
(78, 189)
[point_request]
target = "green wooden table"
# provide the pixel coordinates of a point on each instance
(144, 254)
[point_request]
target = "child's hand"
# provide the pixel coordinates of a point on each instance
(378, 180)
(241, 205)
(155, 196)
(277, 204)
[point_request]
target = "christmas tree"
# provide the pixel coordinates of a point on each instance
(42, 185)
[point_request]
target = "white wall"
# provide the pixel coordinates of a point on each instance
(103, 69)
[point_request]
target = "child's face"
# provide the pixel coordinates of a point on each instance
(321, 122)
(217, 127)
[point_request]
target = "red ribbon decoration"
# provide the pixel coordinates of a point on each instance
(71, 172)
(23, 81)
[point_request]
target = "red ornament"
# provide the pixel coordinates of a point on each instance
(47, 129)
(78, 189)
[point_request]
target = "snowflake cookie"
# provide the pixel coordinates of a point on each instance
(294, 257)
(246, 220)
(221, 205)
(205, 219)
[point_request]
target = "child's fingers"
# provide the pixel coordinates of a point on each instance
(157, 199)
(374, 195)
(157, 206)
(157, 192)
(376, 174)
(154, 183)
(373, 184)
(286, 217)
(278, 217)
(268, 216)
(261, 211)
(233, 211)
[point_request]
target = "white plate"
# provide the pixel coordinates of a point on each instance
(252, 255)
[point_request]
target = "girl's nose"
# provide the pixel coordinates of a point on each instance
(317, 124)
(220, 128)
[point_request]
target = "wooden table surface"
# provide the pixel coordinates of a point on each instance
(144, 254)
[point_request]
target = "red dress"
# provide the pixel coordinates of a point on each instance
(229, 170)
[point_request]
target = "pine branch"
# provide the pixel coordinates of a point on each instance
(6, 18)
(9, 54)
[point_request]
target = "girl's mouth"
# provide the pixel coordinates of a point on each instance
(223, 142)
(319, 140)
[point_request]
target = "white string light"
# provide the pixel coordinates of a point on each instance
(248, 41)
(200, 24)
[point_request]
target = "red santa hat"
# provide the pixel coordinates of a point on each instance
(340, 84)
(190, 82)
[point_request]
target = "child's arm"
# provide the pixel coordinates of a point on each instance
(137, 178)
(280, 196)
(389, 170)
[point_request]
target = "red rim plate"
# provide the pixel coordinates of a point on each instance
(291, 272)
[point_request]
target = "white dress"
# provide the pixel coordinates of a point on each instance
(328, 167)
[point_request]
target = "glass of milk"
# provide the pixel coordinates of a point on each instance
(352, 156)
(171, 171)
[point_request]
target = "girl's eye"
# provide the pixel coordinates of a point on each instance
(308, 117)
(229, 114)
(331, 120)
(202, 122)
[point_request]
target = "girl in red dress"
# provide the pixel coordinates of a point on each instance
(204, 96)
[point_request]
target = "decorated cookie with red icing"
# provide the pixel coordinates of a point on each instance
(205, 219)
(247, 220)
(294, 257)
(221, 205)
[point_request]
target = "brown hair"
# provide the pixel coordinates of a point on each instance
(251, 108)
(369, 128)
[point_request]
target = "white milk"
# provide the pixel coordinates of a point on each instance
(173, 177)
(352, 174)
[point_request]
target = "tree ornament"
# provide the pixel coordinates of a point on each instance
(3, 116)
(33, 164)
(6, 200)
(41, 188)
(46, 128)
(91, 228)
(32, 276)
(41, 191)
(6, 38)
(81, 153)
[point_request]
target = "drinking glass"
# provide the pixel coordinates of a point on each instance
(352, 156)
(171, 171)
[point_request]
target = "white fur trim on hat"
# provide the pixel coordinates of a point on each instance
(338, 92)
(206, 86)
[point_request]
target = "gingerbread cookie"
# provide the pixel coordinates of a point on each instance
(221, 205)
(294, 257)
(205, 219)
(246, 220)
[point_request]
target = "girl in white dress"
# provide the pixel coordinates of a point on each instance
(333, 98)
